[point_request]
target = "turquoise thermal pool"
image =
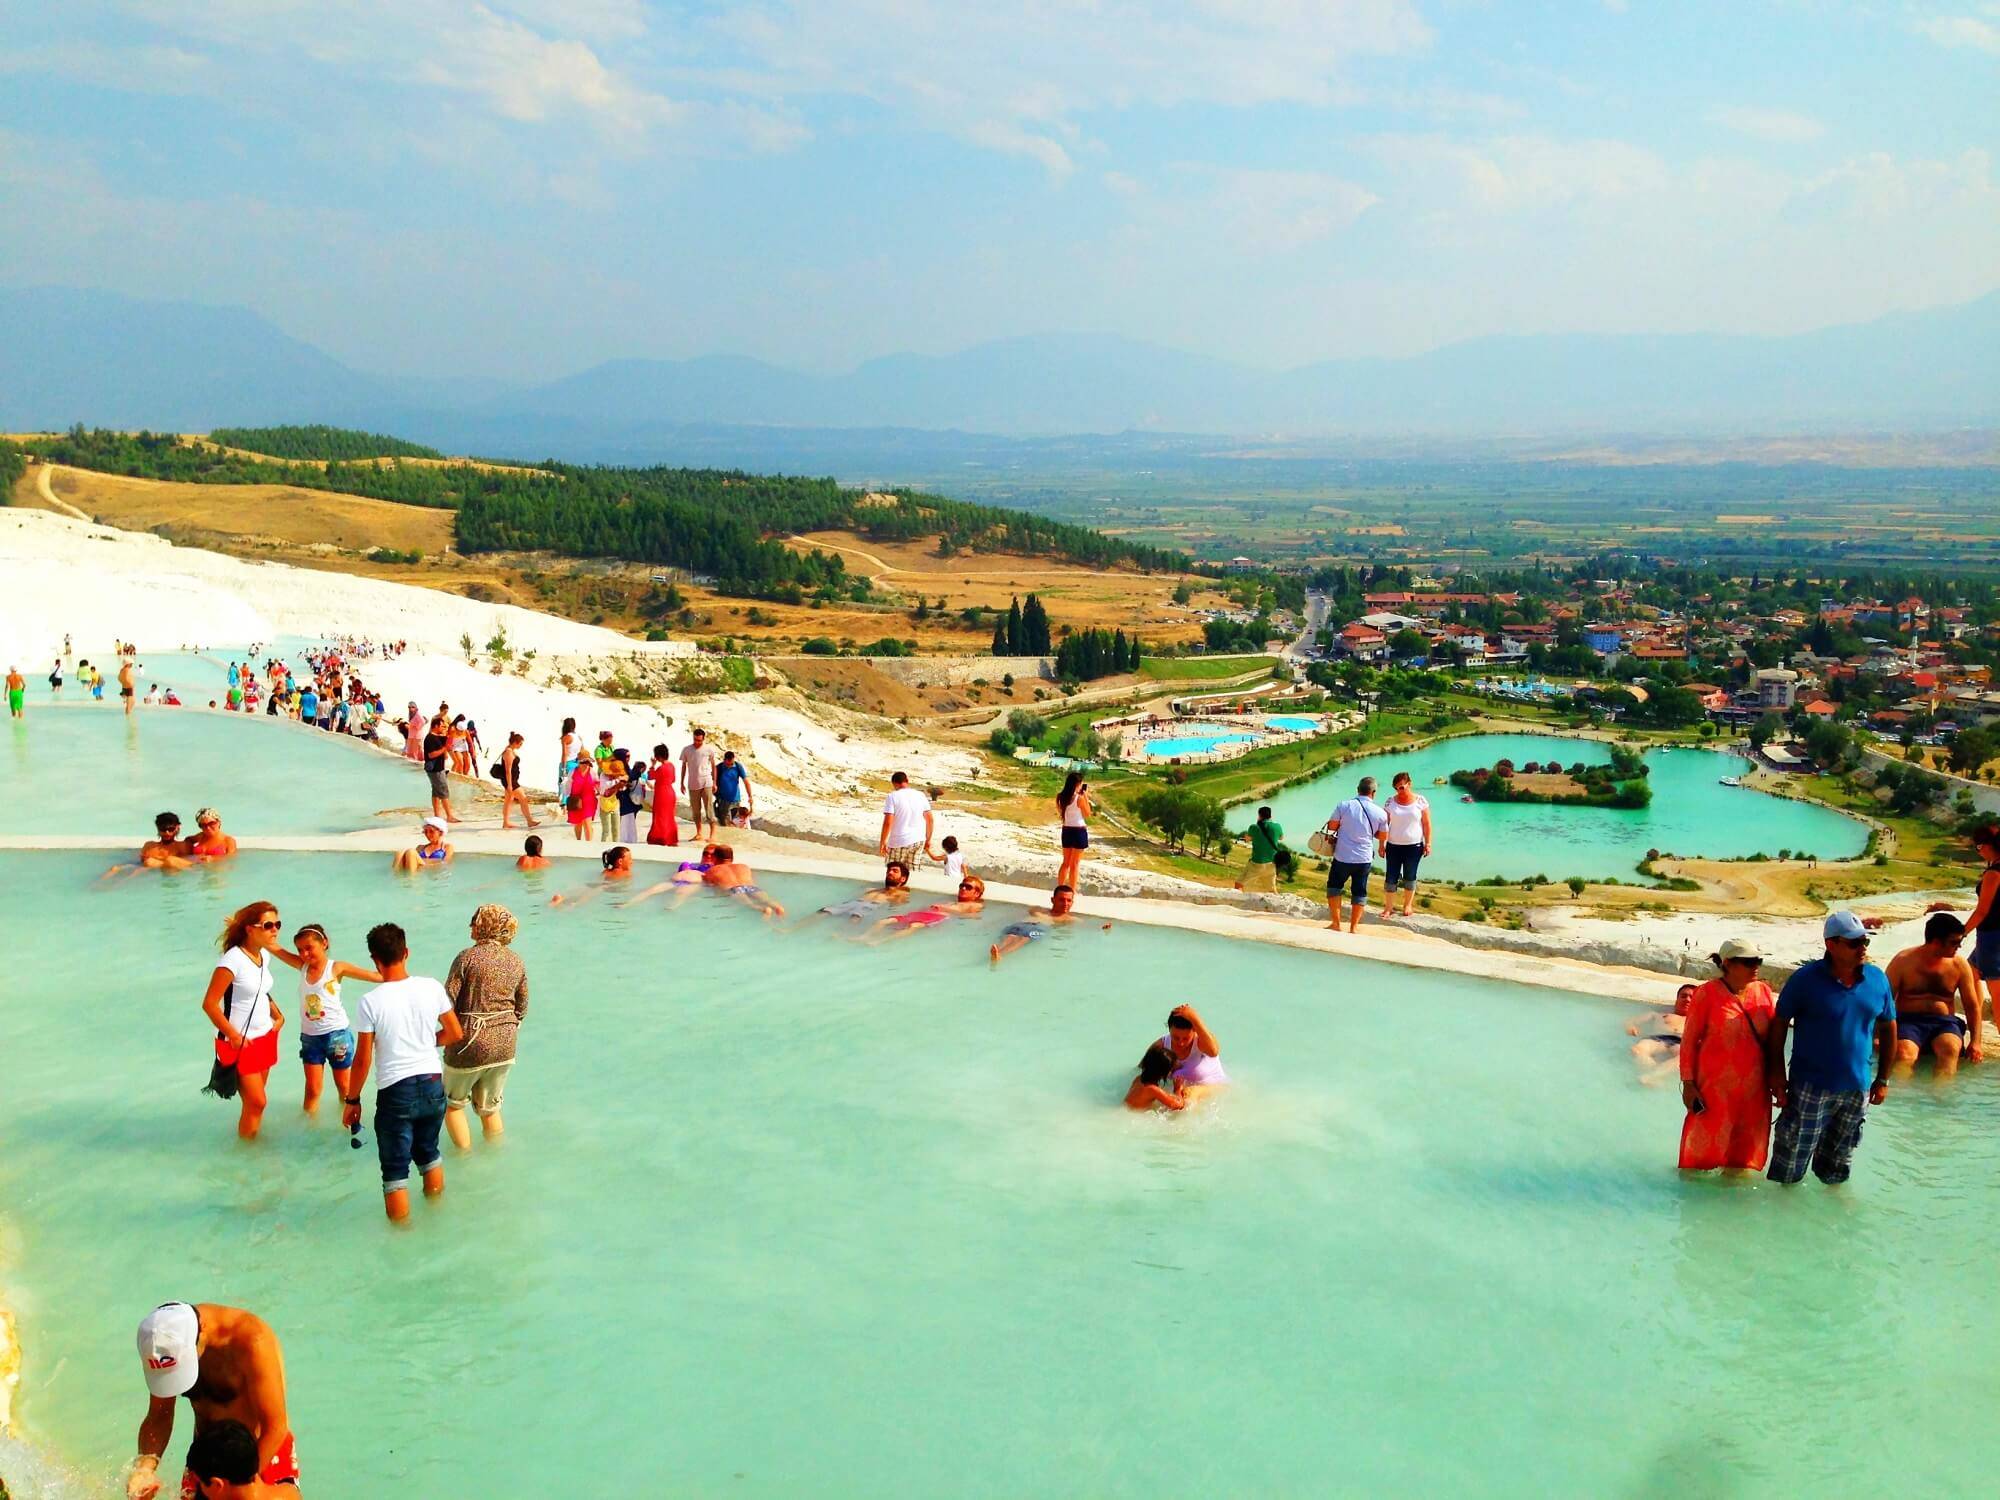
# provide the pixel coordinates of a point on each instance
(1691, 813)
(887, 1232)
(88, 768)
(1193, 744)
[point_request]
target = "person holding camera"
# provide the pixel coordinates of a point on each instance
(1073, 808)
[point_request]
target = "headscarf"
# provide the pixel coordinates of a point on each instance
(493, 923)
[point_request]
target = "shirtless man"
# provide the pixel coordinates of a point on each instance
(17, 692)
(1039, 922)
(1926, 979)
(125, 683)
(725, 874)
(166, 850)
(228, 1364)
(893, 891)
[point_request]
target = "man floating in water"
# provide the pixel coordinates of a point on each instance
(1037, 924)
(228, 1364)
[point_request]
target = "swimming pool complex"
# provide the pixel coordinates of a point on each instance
(1193, 744)
(1691, 813)
(887, 1233)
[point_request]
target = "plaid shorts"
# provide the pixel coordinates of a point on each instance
(1820, 1126)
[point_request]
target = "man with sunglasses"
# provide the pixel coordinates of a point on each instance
(1843, 1010)
(1927, 979)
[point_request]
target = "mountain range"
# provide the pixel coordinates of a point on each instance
(106, 360)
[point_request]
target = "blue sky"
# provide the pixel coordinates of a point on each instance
(524, 187)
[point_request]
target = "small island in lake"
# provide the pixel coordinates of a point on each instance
(1620, 783)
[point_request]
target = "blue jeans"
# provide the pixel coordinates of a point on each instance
(408, 1116)
(1403, 862)
(334, 1049)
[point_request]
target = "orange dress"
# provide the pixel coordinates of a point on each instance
(1722, 1051)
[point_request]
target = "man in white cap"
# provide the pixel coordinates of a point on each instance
(228, 1364)
(1843, 1010)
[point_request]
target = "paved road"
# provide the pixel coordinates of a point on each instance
(1317, 606)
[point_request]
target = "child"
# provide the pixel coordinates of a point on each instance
(325, 1038)
(951, 859)
(1154, 1088)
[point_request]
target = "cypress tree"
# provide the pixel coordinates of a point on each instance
(1016, 642)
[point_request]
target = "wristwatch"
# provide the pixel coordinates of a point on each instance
(355, 1100)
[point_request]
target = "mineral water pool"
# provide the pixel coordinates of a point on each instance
(1691, 813)
(779, 1215)
(87, 768)
(1193, 744)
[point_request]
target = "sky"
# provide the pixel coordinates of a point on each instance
(523, 188)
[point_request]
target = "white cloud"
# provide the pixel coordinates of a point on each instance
(1510, 173)
(139, 70)
(1779, 126)
(1963, 31)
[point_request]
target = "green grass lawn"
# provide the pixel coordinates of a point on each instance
(1200, 668)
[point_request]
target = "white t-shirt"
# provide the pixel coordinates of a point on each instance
(403, 1014)
(905, 808)
(1406, 820)
(954, 865)
(249, 993)
(698, 763)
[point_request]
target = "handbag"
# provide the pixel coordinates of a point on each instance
(1320, 844)
(223, 1079)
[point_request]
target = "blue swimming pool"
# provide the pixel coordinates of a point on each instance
(1193, 744)
(1293, 724)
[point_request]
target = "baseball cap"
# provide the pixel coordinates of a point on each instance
(1844, 924)
(1738, 948)
(168, 1336)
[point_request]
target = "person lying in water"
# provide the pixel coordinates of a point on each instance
(1658, 1050)
(1155, 1087)
(617, 870)
(1197, 1058)
(1037, 925)
(728, 874)
(970, 903)
(893, 891)
(432, 851)
(684, 879)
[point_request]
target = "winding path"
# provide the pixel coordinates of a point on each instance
(55, 501)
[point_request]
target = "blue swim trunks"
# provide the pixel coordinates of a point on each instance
(1925, 1029)
(335, 1049)
(1032, 931)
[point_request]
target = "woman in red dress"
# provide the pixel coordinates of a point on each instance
(1722, 1066)
(664, 829)
(581, 805)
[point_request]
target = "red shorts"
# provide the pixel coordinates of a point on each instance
(258, 1056)
(282, 1469)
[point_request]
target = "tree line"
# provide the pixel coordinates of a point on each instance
(1087, 654)
(318, 441)
(1023, 630)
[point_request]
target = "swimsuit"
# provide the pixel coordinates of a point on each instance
(859, 906)
(1032, 931)
(928, 917)
(432, 854)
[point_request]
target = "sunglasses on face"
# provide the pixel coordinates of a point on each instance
(1860, 942)
(272, 925)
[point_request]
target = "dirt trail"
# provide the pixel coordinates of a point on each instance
(55, 502)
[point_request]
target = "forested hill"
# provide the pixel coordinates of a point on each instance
(318, 442)
(723, 523)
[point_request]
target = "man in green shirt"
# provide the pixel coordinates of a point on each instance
(1266, 838)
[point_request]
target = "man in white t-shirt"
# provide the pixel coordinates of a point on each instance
(402, 1022)
(907, 823)
(698, 762)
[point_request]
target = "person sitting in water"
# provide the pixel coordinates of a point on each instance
(166, 850)
(1197, 1058)
(970, 903)
(209, 842)
(726, 874)
(1926, 980)
(1155, 1087)
(617, 862)
(433, 851)
(1658, 1049)
(532, 857)
(894, 889)
(1037, 924)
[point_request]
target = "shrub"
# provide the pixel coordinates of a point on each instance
(819, 645)
(1576, 883)
(1000, 742)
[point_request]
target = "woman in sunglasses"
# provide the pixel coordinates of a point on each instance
(970, 903)
(1722, 1066)
(238, 1004)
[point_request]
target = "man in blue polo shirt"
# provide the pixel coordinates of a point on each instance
(1842, 1009)
(1358, 828)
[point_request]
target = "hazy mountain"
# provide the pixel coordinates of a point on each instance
(99, 358)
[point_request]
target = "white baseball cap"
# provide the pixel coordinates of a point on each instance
(438, 823)
(168, 1336)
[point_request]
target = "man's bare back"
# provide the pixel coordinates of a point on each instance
(240, 1377)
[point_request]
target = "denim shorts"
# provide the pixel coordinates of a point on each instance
(335, 1049)
(408, 1116)
(1346, 872)
(1986, 953)
(1403, 862)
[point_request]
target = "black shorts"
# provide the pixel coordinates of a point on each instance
(1347, 872)
(1076, 838)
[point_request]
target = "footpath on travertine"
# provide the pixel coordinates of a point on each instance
(483, 836)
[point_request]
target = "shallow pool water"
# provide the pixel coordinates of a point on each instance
(1193, 744)
(1691, 813)
(89, 768)
(1293, 725)
(780, 1215)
